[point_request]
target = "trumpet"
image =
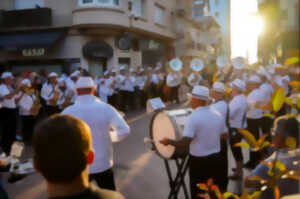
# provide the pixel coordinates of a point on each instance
(35, 109)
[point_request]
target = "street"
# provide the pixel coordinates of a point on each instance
(139, 172)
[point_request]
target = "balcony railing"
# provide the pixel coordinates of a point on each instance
(26, 18)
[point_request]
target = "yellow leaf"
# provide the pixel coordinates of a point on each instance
(289, 101)
(215, 77)
(242, 144)
(279, 165)
(203, 187)
(298, 102)
(269, 115)
(291, 142)
(278, 100)
(262, 139)
(256, 195)
(248, 136)
(292, 61)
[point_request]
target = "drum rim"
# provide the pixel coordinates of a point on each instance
(151, 134)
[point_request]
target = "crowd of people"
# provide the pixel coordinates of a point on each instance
(234, 96)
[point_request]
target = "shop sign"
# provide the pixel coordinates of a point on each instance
(153, 45)
(33, 52)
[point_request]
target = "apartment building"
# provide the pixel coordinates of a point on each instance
(59, 35)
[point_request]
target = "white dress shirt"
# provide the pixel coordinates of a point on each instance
(7, 103)
(173, 79)
(104, 90)
(255, 98)
(205, 126)
(140, 81)
(47, 92)
(25, 104)
(222, 107)
(238, 108)
(100, 117)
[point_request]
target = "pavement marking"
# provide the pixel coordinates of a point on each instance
(138, 165)
(137, 118)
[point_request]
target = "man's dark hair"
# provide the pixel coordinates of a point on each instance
(61, 145)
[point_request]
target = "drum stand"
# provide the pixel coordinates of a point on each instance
(178, 182)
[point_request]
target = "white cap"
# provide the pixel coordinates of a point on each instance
(26, 82)
(239, 63)
(219, 87)
(239, 84)
(113, 70)
(61, 81)
(75, 73)
(131, 70)
(261, 71)
(286, 78)
(52, 74)
(122, 68)
(85, 82)
(106, 72)
(254, 79)
(6, 75)
(200, 92)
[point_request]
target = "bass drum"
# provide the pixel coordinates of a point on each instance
(169, 124)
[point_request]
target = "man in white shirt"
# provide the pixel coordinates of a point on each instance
(50, 93)
(202, 134)
(8, 111)
(237, 120)
(25, 101)
(100, 117)
(174, 81)
(220, 105)
(141, 81)
(254, 115)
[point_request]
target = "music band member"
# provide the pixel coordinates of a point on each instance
(174, 81)
(28, 103)
(8, 111)
(100, 117)
(202, 134)
(237, 120)
(50, 93)
(220, 105)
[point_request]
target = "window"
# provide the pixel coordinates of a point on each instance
(159, 16)
(138, 8)
(198, 9)
(112, 3)
(28, 4)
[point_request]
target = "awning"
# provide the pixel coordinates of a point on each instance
(97, 50)
(20, 41)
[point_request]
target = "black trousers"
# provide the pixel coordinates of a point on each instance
(28, 123)
(104, 179)
(234, 138)
(203, 168)
(51, 110)
(253, 126)
(224, 167)
(266, 125)
(9, 126)
(174, 94)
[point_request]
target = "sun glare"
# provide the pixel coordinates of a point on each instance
(246, 26)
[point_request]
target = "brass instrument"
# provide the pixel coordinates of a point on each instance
(67, 102)
(35, 109)
(55, 98)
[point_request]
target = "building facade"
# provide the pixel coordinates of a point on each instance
(94, 34)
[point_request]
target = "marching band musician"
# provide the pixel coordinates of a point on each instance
(173, 81)
(8, 111)
(66, 95)
(70, 82)
(220, 105)
(254, 115)
(122, 89)
(141, 84)
(202, 134)
(100, 117)
(104, 88)
(26, 100)
(50, 93)
(237, 120)
(156, 81)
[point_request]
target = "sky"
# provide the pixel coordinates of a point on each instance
(245, 29)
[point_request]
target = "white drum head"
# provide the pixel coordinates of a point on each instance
(163, 128)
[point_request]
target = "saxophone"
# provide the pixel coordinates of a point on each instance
(35, 109)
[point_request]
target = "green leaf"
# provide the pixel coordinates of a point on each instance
(289, 101)
(279, 99)
(298, 102)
